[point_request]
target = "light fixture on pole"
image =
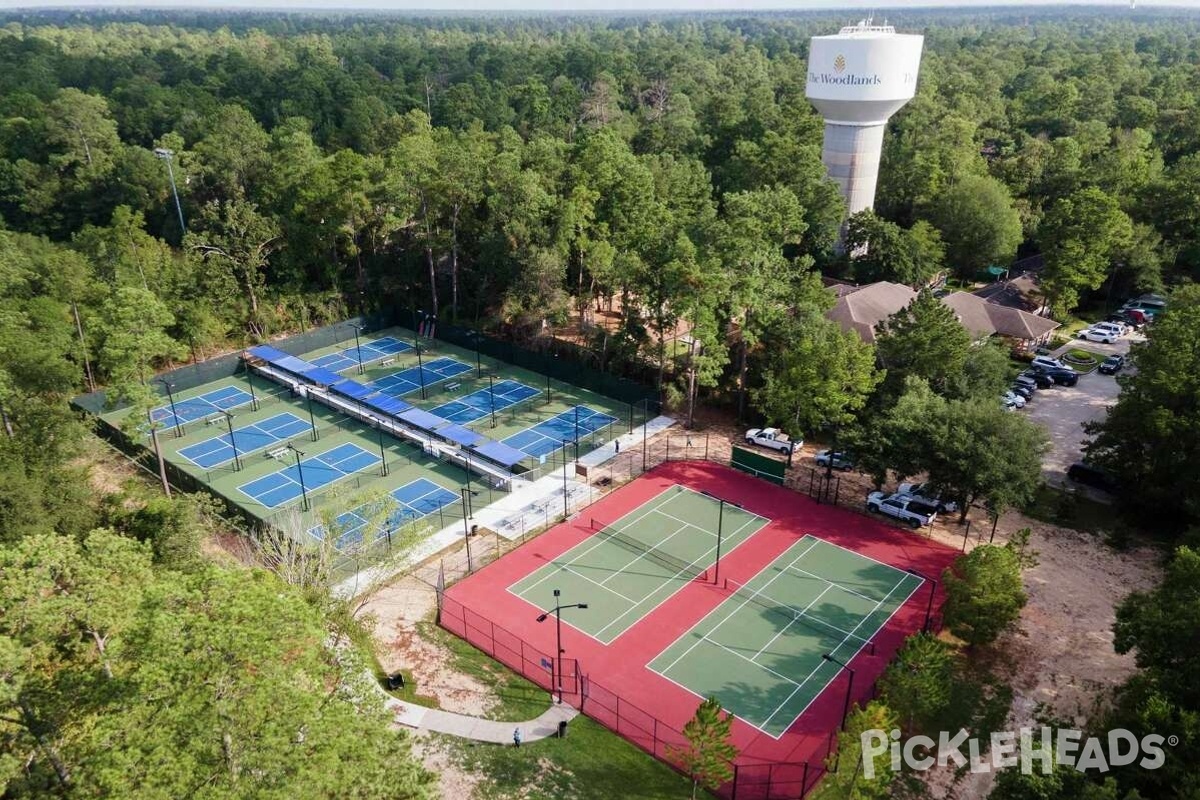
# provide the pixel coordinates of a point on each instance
(557, 612)
(466, 530)
(300, 474)
(237, 462)
(171, 399)
(849, 685)
(166, 156)
(932, 591)
(720, 529)
(358, 347)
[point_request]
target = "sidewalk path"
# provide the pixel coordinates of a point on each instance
(481, 730)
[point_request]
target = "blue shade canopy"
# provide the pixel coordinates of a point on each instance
(267, 353)
(500, 453)
(352, 389)
(388, 406)
(460, 435)
(421, 419)
(320, 375)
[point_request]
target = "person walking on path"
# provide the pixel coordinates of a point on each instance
(516, 737)
(617, 442)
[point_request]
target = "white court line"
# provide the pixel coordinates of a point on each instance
(779, 675)
(651, 548)
(744, 603)
(861, 555)
(601, 585)
(845, 589)
(671, 579)
(835, 649)
(794, 619)
(620, 522)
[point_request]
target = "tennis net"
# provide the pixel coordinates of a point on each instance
(794, 615)
(687, 569)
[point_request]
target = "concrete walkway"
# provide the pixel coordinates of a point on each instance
(481, 730)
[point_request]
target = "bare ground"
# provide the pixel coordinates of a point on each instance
(1059, 660)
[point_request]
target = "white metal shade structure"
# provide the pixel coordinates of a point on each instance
(857, 79)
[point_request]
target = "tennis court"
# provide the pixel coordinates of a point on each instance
(628, 568)
(211, 402)
(407, 503)
(247, 439)
(480, 404)
(309, 475)
(761, 651)
(407, 381)
(546, 437)
(375, 350)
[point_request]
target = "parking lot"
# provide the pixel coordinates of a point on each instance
(1063, 410)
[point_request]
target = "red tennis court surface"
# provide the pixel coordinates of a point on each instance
(612, 684)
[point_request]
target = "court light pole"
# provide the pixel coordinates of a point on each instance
(300, 472)
(849, 685)
(577, 431)
(171, 399)
(250, 380)
(312, 420)
(476, 336)
(466, 530)
(382, 453)
(932, 591)
(358, 347)
(720, 529)
(420, 363)
(557, 612)
(166, 156)
(237, 462)
(492, 395)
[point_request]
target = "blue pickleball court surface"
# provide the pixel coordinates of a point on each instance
(317, 471)
(478, 404)
(247, 439)
(375, 350)
(410, 502)
(548, 435)
(205, 405)
(407, 381)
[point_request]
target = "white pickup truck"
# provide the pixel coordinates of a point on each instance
(772, 438)
(902, 507)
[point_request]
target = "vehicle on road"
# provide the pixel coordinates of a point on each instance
(1091, 475)
(772, 438)
(1040, 379)
(841, 460)
(1012, 399)
(1112, 365)
(906, 509)
(1046, 362)
(925, 493)
(1119, 328)
(1063, 376)
(1095, 334)
(1022, 391)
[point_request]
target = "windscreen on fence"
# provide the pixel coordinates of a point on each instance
(758, 465)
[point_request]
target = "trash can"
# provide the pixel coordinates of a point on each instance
(562, 729)
(395, 681)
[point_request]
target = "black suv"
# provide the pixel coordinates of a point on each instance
(1093, 476)
(1041, 379)
(1063, 376)
(1112, 365)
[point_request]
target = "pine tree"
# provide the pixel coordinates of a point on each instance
(709, 756)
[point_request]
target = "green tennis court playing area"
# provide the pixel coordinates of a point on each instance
(632, 565)
(760, 651)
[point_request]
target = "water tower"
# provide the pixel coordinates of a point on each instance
(857, 80)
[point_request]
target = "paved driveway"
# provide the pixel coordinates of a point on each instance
(1062, 410)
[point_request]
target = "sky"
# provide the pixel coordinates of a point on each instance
(567, 6)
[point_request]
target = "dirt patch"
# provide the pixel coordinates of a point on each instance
(397, 609)
(1059, 659)
(439, 757)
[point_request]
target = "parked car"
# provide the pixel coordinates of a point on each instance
(1022, 391)
(772, 438)
(924, 493)
(904, 508)
(1096, 334)
(1063, 376)
(1040, 379)
(1012, 399)
(1046, 362)
(1112, 365)
(841, 460)
(1119, 328)
(1028, 384)
(1091, 475)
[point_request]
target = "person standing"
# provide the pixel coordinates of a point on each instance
(516, 737)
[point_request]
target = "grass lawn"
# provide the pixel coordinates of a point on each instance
(591, 763)
(1081, 360)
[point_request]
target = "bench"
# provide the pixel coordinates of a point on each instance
(453, 387)
(387, 362)
(214, 419)
(277, 453)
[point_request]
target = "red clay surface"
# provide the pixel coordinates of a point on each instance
(621, 666)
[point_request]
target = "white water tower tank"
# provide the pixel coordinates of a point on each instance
(857, 79)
